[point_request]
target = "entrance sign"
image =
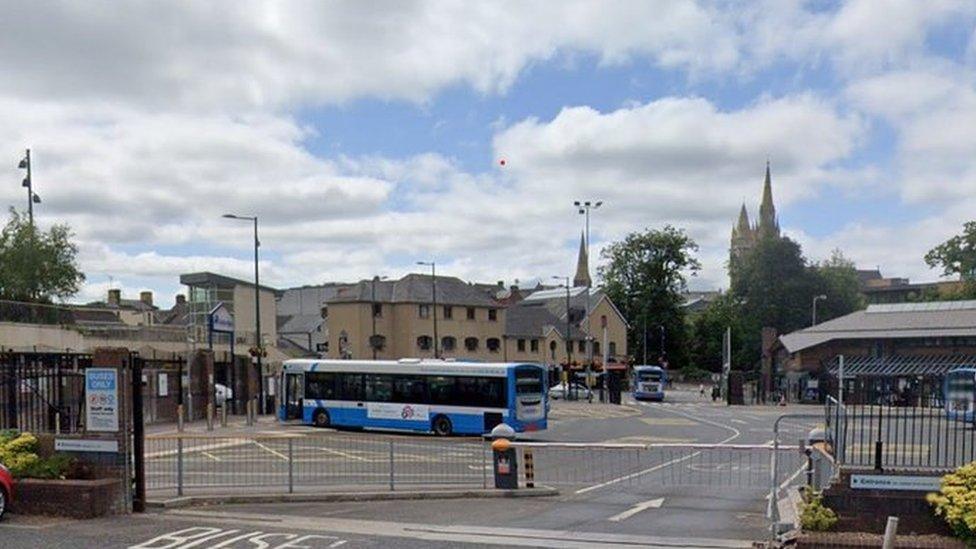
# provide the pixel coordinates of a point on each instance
(895, 482)
(162, 384)
(82, 445)
(221, 319)
(381, 410)
(102, 399)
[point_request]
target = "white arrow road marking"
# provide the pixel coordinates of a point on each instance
(649, 504)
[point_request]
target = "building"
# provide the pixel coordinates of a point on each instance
(907, 340)
(880, 289)
(396, 319)
(301, 319)
(208, 290)
(745, 235)
(550, 327)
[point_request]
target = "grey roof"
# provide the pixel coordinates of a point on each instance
(530, 320)
(415, 288)
(211, 279)
(885, 322)
(298, 324)
(937, 365)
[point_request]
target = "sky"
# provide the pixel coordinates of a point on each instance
(367, 136)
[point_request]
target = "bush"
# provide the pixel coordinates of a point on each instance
(18, 452)
(816, 517)
(956, 502)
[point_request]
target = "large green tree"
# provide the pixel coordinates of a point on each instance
(956, 256)
(839, 282)
(645, 274)
(37, 265)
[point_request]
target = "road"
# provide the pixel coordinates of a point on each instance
(676, 497)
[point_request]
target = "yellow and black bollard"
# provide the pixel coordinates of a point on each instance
(529, 468)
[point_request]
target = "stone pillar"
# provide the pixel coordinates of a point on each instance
(201, 382)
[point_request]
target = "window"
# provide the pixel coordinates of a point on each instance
(596, 347)
(377, 342)
(409, 389)
(493, 344)
(325, 312)
(493, 314)
(488, 392)
(582, 346)
(441, 389)
(448, 312)
(350, 387)
(448, 343)
(320, 385)
(613, 348)
(424, 311)
(534, 345)
(425, 343)
(552, 350)
(471, 343)
(470, 313)
(379, 388)
(377, 310)
(521, 345)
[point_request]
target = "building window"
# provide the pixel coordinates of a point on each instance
(613, 348)
(582, 346)
(493, 314)
(470, 313)
(424, 311)
(552, 350)
(425, 343)
(448, 312)
(325, 312)
(521, 345)
(534, 345)
(471, 343)
(448, 343)
(596, 348)
(493, 344)
(377, 310)
(377, 342)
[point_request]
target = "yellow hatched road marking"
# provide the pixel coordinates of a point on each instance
(271, 451)
(211, 456)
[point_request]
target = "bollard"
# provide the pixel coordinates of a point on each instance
(179, 417)
(57, 423)
(210, 416)
(529, 468)
(891, 531)
(504, 458)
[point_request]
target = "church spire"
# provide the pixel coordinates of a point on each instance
(742, 228)
(768, 224)
(582, 277)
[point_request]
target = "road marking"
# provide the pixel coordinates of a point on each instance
(649, 504)
(211, 456)
(668, 421)
(739, 421)
(271, 451)
(346, 455)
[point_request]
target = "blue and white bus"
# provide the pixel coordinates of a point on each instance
(648, 382)
(960, 394)
(435, 396)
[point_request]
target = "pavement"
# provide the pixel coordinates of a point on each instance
(632, 497)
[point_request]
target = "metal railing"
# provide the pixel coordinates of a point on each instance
(882, 432)
(199, 464)
(42, 392)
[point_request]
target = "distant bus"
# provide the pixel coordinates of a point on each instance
(960, 394)
(417, 395)
(649, 382)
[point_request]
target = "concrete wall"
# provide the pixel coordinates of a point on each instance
(244, 315)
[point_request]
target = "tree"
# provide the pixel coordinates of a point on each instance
(839, 282)
(956, 256)
(37, 265)
(645, 275)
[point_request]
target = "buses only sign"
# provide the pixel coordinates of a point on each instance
(102, 399)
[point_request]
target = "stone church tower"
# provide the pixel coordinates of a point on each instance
(746, 235)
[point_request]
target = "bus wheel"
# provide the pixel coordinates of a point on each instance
(321, 418)
(442, 426)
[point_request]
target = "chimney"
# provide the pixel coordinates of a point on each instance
(180, 299)
(114, 297)
(146, 297)
(501, 283)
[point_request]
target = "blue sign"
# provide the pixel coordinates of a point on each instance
(101, 399)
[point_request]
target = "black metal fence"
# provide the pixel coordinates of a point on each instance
(42, 392)
(886, 423)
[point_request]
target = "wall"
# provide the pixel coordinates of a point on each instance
(244, 314)
(616, 329)
(42, 336)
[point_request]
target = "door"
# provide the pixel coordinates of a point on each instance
(294, 393)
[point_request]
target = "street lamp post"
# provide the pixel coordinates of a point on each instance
(583, 208)
(815, 300)
(372, 339)
(433, 299)
(257, 302)
(32, 197)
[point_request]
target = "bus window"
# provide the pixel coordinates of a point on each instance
(441, 389)
(379, 388)
(409, 389)
(350, 387)
(481, 391)
(320, 385)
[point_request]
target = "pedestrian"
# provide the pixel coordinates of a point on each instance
(701, 390)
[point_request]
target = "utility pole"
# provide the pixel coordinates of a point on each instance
(584, 209)
(257, 306)
(32, 197)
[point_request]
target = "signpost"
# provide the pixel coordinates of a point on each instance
(102, 399)
(896, 482)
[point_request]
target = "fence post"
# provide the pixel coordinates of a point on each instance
(291, 467)
(891, 530)
(179, 465)
(392, 474)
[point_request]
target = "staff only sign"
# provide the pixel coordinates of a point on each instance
(102, 399)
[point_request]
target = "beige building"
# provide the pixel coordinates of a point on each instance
(396, 319)
(537, 329)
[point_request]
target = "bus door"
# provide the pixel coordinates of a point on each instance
(294, 395)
